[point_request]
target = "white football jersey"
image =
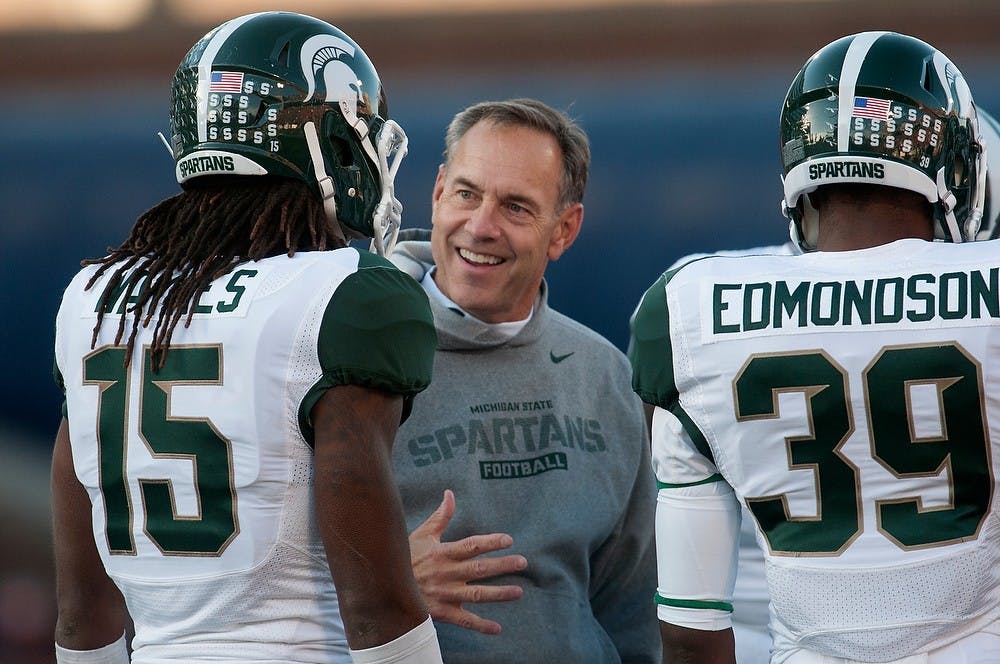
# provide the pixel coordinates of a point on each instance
(850, 400)
(200, 471)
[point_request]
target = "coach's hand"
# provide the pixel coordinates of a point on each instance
(444, 570)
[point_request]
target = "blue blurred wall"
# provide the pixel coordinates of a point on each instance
(683, 161)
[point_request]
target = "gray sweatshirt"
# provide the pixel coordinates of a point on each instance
(540, 436)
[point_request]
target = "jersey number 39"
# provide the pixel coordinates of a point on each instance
(961, 452)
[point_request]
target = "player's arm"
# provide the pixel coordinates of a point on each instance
(697, 514)
(697, 535)
(361, 516)
(695, 573)
(376, 349)
(92, 618)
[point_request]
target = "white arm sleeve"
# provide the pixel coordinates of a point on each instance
(418, 646)
(697, 537)
(113, 653)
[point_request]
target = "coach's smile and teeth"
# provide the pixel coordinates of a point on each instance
(479, 259)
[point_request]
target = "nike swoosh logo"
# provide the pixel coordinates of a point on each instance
(556, 359)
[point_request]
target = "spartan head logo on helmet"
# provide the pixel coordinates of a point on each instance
(322, 55)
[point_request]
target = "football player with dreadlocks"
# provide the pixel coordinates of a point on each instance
(235, 373)
(840, 395)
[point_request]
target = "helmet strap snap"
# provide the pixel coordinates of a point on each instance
(947, 201)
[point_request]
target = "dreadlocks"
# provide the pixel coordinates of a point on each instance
(178, 247)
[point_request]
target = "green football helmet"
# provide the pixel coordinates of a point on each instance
(888, 109)
(990, 229)
(288, 95)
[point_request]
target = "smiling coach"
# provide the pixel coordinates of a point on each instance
(528, 441)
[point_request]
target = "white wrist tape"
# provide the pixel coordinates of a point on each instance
(113, 653)
(418, 646)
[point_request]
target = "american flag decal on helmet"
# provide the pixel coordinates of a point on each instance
(870, 107)
(226, 81)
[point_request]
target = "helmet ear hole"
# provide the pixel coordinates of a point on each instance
(928, 79)
(282, 58)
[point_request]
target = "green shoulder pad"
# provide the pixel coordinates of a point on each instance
(377, 331)
(649, 347)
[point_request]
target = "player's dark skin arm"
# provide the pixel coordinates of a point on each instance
(682, 645)
(91, 611)
(361, 515)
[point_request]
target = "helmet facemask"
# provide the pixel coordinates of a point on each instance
(390, 148)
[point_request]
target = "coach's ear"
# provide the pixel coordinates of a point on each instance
(438, 187)
(567, 228)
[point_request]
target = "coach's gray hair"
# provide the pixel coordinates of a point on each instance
(531, 113)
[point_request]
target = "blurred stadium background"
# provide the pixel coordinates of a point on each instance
(680, 98)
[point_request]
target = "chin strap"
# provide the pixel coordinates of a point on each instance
(803, 224)
(974, 224)
(323, 179)
(389, 153)
(947, 200)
